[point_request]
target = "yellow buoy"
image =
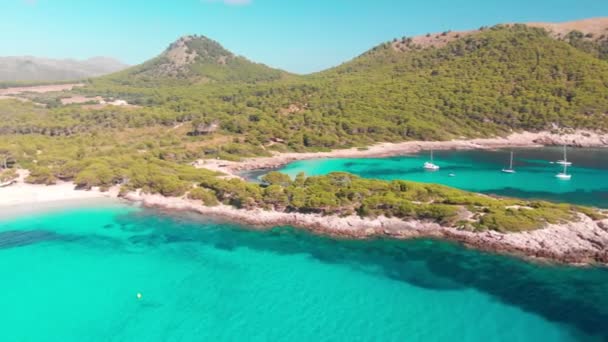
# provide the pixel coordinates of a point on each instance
(138, 295)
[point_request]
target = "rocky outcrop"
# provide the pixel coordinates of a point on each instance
(203, 128)
(582, 242)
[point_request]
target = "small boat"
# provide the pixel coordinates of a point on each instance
(564, 174)
(510, 169)
(452, 175)
(430, 166)
(565, 160)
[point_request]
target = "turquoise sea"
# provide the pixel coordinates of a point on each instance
(74, 275)
(480, 171)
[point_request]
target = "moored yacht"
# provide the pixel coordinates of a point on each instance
(510, 169)
(565, 160)
(564, 174)
(430, 166)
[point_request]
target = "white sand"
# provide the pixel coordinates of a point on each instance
(23, 198)
(21, 194)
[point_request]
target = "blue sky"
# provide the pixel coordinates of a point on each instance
(296, 35)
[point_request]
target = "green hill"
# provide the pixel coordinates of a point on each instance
(195, 59)
(485, 82)
(492, 81)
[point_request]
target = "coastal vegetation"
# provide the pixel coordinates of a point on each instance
(7, 175)
(340, 194)
(345, 194)
(198, 100)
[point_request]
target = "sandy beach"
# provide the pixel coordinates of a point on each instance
(22, 198)
(27, 194)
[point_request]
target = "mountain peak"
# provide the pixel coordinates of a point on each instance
(189, 50)
(199, 59)
(193, 48)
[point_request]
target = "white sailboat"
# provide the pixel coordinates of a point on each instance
(565, 160)
(430, 166)
(564, 174)
(510, 169)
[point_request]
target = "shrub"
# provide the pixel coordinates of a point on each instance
(8, 175)
(41, 175)
(206, 196)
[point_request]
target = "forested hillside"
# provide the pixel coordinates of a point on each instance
(496, 80)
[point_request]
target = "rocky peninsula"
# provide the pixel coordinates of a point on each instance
(580, 241)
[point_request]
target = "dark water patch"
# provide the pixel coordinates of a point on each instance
(385, 173)
(18, 238)
(177, 238)
(353, 164)
(552, 292)
(150, 240)
(225, 246)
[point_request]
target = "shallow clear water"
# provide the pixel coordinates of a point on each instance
(74, 275)
(480, 171)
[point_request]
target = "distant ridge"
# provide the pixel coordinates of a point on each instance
(594, 26)
(30, 68)
(593, 29)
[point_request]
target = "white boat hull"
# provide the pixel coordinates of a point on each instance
(508, 171)
(563, 162)
(563, 176)
(431, 167)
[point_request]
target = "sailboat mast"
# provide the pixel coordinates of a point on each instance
(511, 162)
(565, 157)
(431, 156)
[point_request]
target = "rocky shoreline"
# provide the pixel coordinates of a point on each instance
(578, 243)
(583, 242)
